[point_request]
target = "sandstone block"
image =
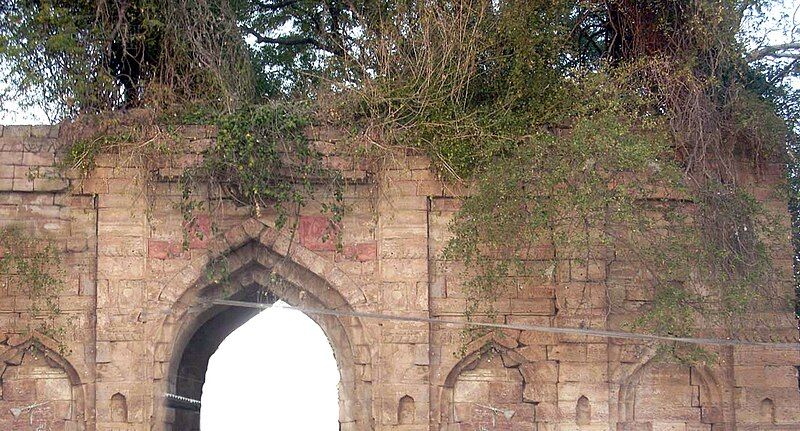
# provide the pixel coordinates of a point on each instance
(316, 233)
(595, 392)
(533, 353)
(19, 390)
(567, 352)
(38, 159)
(9, 156)
(583, 372)
(22, 184)
(540, 372)
(123, 247)
(403, 248)
(404, 269)
(545, 392)
(587, 271)
(6, 171)
(54, 388)
(362, 252)
(391, 203)
(15, 131)
(49, 184)
(122, 267)
(536, 307)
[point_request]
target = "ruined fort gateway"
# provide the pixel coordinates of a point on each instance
(141, 323)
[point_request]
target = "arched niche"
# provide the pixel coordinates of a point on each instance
(767, 411)
(583, 411)
(119, 408)
(41, 388)
(657, 394)
(194, 327)
(406, 410)
(486, 389)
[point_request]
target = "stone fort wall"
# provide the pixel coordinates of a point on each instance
(136, 307)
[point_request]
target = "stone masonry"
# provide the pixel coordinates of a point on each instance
(139, 321)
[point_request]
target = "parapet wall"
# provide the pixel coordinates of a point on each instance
(135, 305)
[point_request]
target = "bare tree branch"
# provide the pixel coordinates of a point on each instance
(278, 5)
(286, 41)
(792, 67)
(775, 51)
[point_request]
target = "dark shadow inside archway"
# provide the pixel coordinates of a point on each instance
(218, 323)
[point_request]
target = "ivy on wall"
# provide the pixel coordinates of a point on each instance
(32, 267)
(262, 158)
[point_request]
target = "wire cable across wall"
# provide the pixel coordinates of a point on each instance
(538, 328)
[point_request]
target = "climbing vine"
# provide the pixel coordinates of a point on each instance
(628, 145)
(135, 138)
(32, 267)
(262, 158)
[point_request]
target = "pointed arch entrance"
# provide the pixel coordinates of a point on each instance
(277, 371)
(195, 327)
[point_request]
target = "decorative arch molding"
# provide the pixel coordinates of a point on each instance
(626, 376)
(255, 255)
(713, 404)
(499, 344)
(19, 343)
(253, 231)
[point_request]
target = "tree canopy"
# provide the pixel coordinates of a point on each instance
(106, 54)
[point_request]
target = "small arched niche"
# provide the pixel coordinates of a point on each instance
(643, 402)
(583, 411)
(767, 411)
(406, 410)
(486, 390)
(119, 408)
(41, 389)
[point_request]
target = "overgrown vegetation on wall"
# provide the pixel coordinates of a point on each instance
(580, 125)
(262, 158)
(30, 267)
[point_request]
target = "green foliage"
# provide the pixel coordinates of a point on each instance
(32, 266)
(130, 136)
(686, 354)
(44, 47)
(81, 154)
(628, 142)
(573, 189)
(263, 159)
(85, 56)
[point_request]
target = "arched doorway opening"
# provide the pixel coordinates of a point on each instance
(197, 325)
(269, 374)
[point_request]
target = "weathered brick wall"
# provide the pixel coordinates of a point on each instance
(34, 198)
(139, 324)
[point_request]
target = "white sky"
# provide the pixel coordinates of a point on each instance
(11, 114)
(275, 372)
